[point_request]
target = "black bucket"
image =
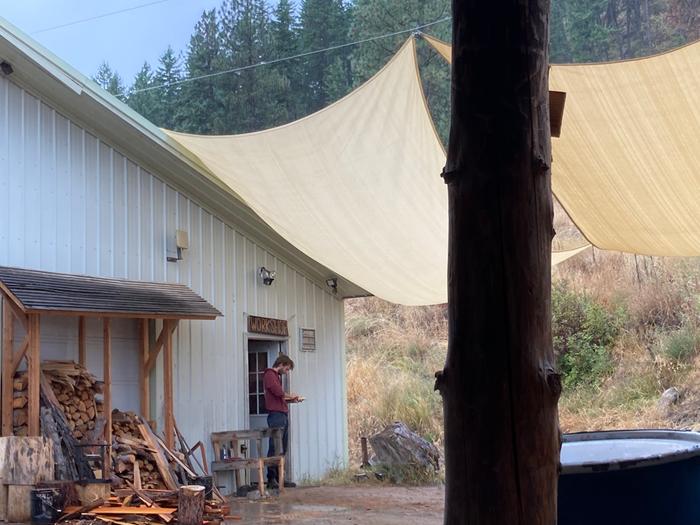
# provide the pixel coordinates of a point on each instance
(47, 505)
(207, 482)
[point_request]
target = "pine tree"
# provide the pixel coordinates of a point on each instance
(251, 92)
(201, 108)
(144, 102)
(377, 17)
(168, 89)
(285, 43)
(110, 81)
(324, 23)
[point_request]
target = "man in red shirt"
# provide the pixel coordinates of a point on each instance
(276, 400)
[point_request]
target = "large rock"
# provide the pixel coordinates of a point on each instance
(398, 445)
(670, 397)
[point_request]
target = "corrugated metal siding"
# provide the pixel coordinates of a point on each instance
(74, 204)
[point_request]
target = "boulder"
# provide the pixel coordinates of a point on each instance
(397, 445)
(670, 397)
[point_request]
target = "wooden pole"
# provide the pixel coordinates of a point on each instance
(82, 358)
(107, 395)
(168, 385)
(34, 375)
(7, 371)
(145, 395)
(499, 385)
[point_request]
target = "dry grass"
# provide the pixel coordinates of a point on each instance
(393, 351)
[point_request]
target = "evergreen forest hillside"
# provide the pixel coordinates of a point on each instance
(217, 85)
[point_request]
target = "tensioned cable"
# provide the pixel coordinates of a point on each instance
(97, 17)
(293, 57)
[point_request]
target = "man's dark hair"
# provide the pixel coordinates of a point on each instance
(283, 360)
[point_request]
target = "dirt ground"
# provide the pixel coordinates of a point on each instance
(366, 504)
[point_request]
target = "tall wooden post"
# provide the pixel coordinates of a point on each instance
(107, 394)
(7, 371)
(169, 418)
(82, 353)
(34, 375)
(145, 396)
(499, 386)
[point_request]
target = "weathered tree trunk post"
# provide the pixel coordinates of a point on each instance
(190, 505)
(499, 386)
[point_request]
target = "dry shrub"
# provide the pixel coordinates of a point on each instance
(393, 353)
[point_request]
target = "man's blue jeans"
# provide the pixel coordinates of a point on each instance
(277, 420)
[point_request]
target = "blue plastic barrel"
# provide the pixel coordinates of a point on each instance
(635, 477)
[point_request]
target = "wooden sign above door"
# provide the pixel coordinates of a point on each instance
(266, 325)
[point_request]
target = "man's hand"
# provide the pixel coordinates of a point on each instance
(294, 398)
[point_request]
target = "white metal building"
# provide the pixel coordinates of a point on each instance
(90, 187)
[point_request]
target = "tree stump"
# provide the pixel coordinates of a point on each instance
(190, 505)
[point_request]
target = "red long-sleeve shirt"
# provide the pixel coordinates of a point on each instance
(274, 392)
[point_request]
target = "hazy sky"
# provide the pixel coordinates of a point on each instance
(124, 40)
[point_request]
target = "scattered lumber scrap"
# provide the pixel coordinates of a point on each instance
(137, 457)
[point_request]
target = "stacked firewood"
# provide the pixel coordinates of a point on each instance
(19, 404)
(75, 389)
(133, 456)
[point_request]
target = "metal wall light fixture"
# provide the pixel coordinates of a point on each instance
(267, 276)
(332, 283)
(6, 68)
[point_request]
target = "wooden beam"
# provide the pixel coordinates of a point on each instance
(169, 416)
(16, 306)
(17, 357)
(503, 469)
(119, 315)
(169, 326)
(82, 356)
(7, 370)
(145, 397)
(107, 395)
(34, 374)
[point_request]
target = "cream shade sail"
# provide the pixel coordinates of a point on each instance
(559, 257)
(627, 165)
(356, 186)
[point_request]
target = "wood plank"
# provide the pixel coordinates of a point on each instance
(163, 468)
(145, 392)
(26, 460)
(19, 508)
(19, 355)
(74, 512)
(169, 416)
(167, 329)
(107, 390)
(34, 374)
(16, 306)
(169, 452)
(82, 358)
(7, 370)
(140, 510)
(62, 312)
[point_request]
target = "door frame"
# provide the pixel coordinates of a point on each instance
(285, 347)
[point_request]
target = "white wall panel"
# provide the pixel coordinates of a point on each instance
(74, 204)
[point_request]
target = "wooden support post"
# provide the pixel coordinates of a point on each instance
(34, 375)
(169, 417)
(82, 358)
(107, 395)
(7, 370)
(145, 395)
(500, 368)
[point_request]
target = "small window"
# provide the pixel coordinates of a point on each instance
(308, 340)
(257, 364)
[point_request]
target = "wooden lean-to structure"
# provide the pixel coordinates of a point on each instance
(27, 295)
